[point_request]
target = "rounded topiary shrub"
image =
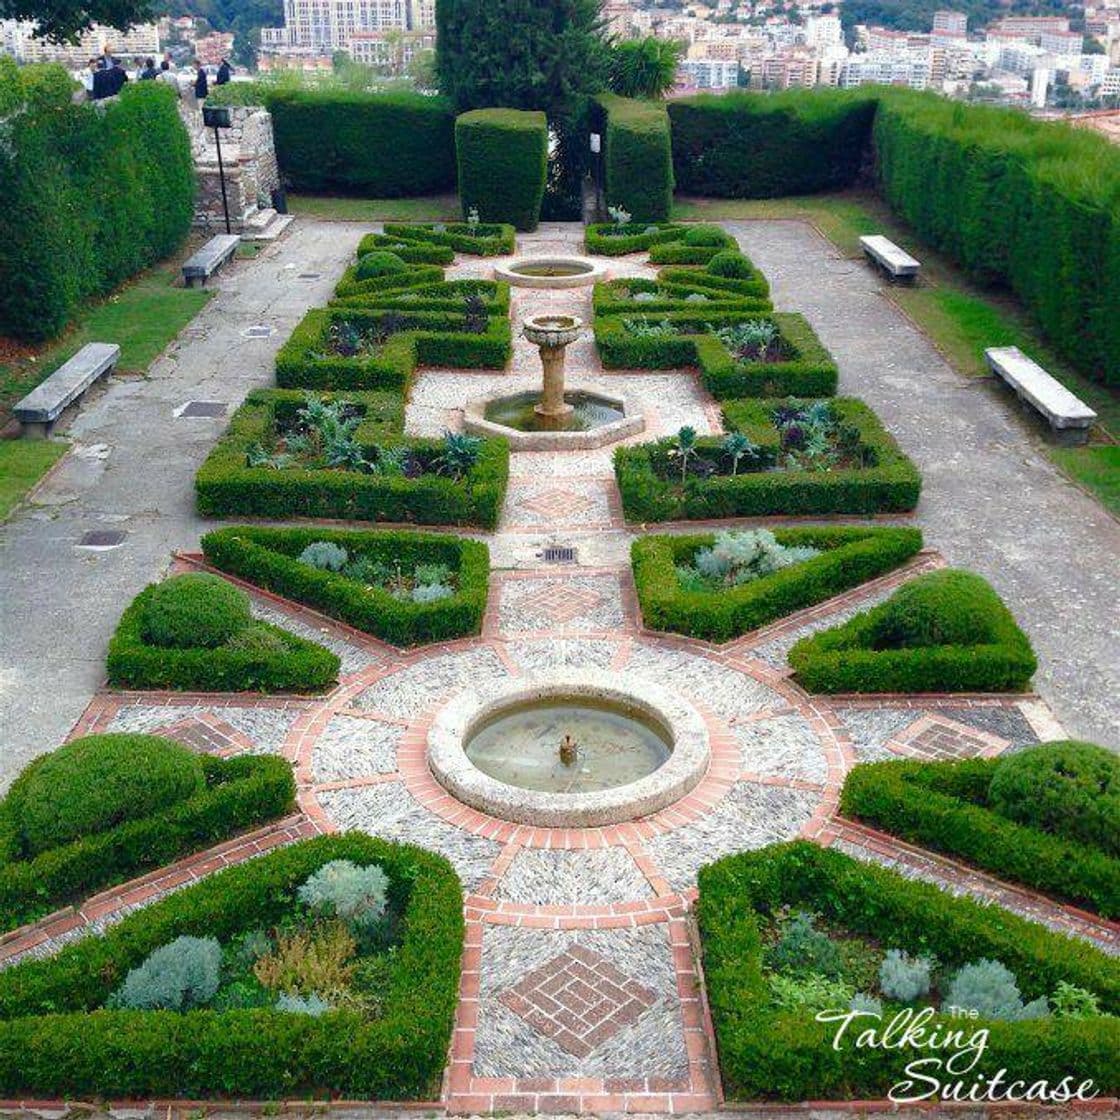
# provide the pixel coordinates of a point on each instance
(194, 611)
(1068, 788)
(732, 264)
(705, 236)
(95, 783)
(945, 608)
(379, 263)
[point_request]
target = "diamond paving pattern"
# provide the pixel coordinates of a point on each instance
(556, 503)
(207, 735)
(935, 738)
(579, 1000)
(561, 603)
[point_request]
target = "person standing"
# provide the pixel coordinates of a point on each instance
(149, 73)
(167, 75)
(224, 73)
(88, 76)
(201, 84)
(102, 83)
(117, 77)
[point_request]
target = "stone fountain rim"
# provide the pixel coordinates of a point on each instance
(597, 271)
(632, 423)
(677, 776)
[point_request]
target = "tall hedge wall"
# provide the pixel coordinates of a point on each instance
(90, 195)
(751, 145)
(383, 145)
(637, 157)
(503, 164)
(1031, 204)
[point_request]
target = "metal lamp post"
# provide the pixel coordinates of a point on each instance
(217, 117)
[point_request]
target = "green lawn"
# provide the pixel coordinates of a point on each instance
(960, 318)
(22, 463)
(432, 208)
(142, 318)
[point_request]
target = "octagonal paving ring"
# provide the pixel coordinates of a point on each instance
(686, 765)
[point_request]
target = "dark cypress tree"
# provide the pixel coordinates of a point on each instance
(528, 54)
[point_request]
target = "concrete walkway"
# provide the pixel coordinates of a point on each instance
(132, 468)
(991, 499)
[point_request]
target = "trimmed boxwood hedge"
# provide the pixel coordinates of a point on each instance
(944, 806)
(892, 486)
(269, 559)
(502, 156)
(418, 276)
(600, 238)
(225, 486)
(608, 300)
(381, 145)
(414, 252)
(849, 556)
(434, 338)
(768, 1054)
(681, 253)
(489, 239)
(68, 230)
(239, 793)
(619, 349)
(55, 1043)
(843, 658)
(809, 371)
(445, 295)
(754, 145)
(133, 663)
(637, 156)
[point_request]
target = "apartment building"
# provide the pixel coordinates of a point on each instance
(329, 25)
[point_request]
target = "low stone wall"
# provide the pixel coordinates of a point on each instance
(249, 159)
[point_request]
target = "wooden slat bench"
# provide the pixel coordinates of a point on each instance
(895, 262)
(1069, 418)
(203, 264)
(38, 411)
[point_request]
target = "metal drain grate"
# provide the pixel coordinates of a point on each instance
(309, 276)
(203, 408)
(559, 554)
(258, 332)
(102, 538)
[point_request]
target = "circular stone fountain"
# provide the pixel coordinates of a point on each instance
(576, 418)
(550, 272)
(569, 751)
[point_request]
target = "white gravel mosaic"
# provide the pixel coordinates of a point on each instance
(266, 728)
(354, 658)
(506, 1046)
(783, 746)
(573, 878)
(562, 653)
(750, 816)
(417, 687)
(391, 812)
(350, 747)
(726, 691)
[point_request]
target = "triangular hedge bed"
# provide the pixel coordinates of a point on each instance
(848, 557)
(895, 647)
(269, 558)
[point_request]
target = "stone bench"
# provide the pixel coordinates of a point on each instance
(895, 262)
(203, 264)
(38, 411)
(1069, 418)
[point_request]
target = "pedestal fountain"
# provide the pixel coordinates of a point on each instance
(552, 335)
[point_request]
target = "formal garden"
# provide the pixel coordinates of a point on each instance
(571, 692)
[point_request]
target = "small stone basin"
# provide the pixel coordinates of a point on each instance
(574, 748)
(550, 272)
(597, 416)
(552, 331)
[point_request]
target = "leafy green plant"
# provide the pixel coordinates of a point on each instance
(645, 68)
(310, 962)
(809, 990)
(312, 1004)
(181, 975)
(643, 328)
(736, 446)
(379, 263)
(684, 448)
(325, 555)
(989, 988)
(735, 558)
(620, 216)
(459, 455)
(1071, 1002)
(732, 264)
(903, 977)
(802, 949)
(355, 895)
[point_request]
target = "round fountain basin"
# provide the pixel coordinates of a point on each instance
(550, 272)
(598, 418)
(614, 745)
(552, 331)
(639, 748)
